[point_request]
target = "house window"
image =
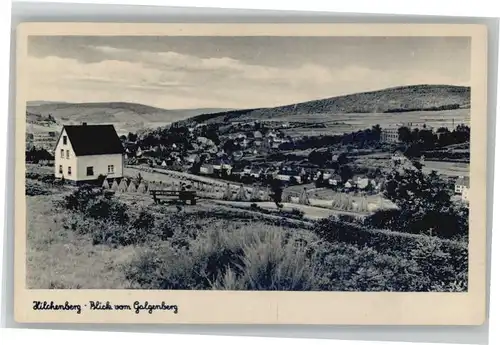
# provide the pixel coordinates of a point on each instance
(90, 171)
(69, 171)
(111, 169)
(65, 140)
(67, 154)
(62, 153)
(60, 169)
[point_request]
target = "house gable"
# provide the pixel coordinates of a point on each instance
(89, 140)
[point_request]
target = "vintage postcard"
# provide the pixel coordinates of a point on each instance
(251, 173)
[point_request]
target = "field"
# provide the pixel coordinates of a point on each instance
(382, 161)
(78, 238)
(447, 168)
(346, 123)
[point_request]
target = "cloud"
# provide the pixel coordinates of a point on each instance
(174, 80)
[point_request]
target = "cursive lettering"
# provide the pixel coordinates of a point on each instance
(44, 305)
(138, 306)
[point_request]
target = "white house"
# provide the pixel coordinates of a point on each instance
(461, 184)
(465, 193)
(83, 152)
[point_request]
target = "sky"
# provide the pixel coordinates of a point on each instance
(235, 72)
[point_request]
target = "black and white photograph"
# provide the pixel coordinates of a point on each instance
(251, 173)
(248, 163)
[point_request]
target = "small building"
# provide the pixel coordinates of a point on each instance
(256, 172)
(286, 175)
(257, 135)
(349, 184)
(461, 184)
(362, 183)
(206, 169)
(84, 152)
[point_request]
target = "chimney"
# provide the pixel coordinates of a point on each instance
(84, 123)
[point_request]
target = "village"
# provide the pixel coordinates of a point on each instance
(258, 152)
(242, 161)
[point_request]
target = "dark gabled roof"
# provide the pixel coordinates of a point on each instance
(94, 139)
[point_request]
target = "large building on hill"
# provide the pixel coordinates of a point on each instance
(390, 135)
(84, 152)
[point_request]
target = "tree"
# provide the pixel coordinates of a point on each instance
(377, 131)
(342, 159)
(427, 139)
(36, 155)
(405, 135)
(424, 204)
(132, 136)
(277, 192)
(413, 151)
(345, 173)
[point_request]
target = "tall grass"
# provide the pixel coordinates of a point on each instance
(217, 250)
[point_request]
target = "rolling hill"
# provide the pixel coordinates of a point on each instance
(392, 100)
(111, 112)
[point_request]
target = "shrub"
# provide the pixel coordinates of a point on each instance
(98, 204)
(80, 198)
(332, 230)
(33, 175)
(145, 220)
(106, 208)
(33, 188)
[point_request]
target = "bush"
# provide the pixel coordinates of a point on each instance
(98, 204)
(333, 230)
(33, 188)
(440, 264)
(145, 220)
(107, 209)
(80, 198)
